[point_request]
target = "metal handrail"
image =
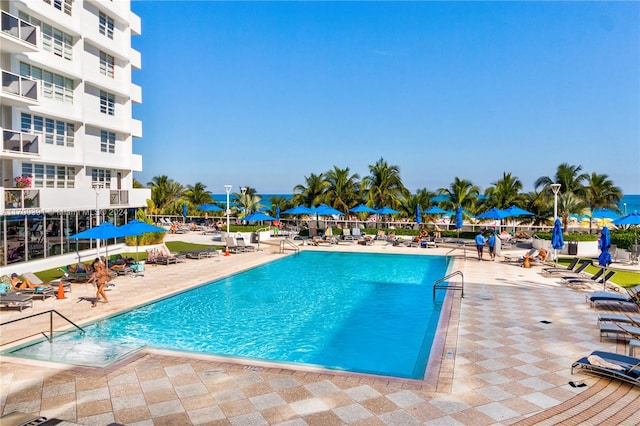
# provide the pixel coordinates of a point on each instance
(50, 312)
(448, 287)
(291, 243)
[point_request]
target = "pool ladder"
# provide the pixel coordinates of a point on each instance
(290, 243)
(50, 312)
(438, 284)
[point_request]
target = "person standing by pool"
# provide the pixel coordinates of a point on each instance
(480, 244)
(492, 245)
(99, 276)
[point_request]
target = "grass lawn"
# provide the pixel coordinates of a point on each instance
(623, 277)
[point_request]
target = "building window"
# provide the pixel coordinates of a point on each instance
(107, 103)
(107, 142)
(101, 177)
(53, 86)
(107, 64)
(65, 6)
(106, 25)
(54, 132)
(50, 175)
(53, 40)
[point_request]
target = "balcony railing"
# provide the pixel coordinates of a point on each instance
(21, 198)
(118, 197)
(19, 29)
(18, 142)
(17, 85)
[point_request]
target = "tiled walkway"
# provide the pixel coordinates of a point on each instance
(506, 356)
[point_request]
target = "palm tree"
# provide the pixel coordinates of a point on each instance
(504, 193)
(277, 201)
(569, 203)
(461, 192)
(383, 186)
(312, 193)
(165, 192)
(341, 189)
(248, 199)
(197, 194)
(568, 176)
(158, 190)
(600, 192)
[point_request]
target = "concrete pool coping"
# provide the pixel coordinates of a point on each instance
(478, 383)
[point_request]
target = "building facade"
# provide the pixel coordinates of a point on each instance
(67, 159)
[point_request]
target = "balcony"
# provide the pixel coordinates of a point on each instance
(118, 197)
(17, 35)
(14, 142)
(18, 90)
(21, 199)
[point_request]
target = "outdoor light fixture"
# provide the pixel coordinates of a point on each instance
(555, 187)
(227, 188)
(96, 187)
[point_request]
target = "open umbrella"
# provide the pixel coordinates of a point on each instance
(324, 210)
(210, 208)
(604, 214)
(434, 210)
(258, 216)
(515, 211)
(604, 259)
(135, 228)
(557, 241)
(630, 219)
(418, 214)
(493, 213)
(104, 231)
(362, 209)
(387, 210)
(297, 210)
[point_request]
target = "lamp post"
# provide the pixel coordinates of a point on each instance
(625, 209)
(555, 187)
(96, 187)
(227, 188)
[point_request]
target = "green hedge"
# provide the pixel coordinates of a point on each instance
(574, 236)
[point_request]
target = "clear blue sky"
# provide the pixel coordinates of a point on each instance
(264, 94)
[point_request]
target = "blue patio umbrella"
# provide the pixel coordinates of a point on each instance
(210, 208)
(418, 214)
(362, 209)
(493, 213)
(515, 211)
(604, 214)
(459, 219)
(387, 210)
(557, 241)
(135, 228)
(258, 216)
(184, 211)
(104, 231)
(604, 259)
(324, 210)
(434, 210)
(630, 219)
(297, 210)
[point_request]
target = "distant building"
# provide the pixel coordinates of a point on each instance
(66, 124)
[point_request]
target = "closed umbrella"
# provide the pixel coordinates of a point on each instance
(604, 259)
(459, 220)
(277, 212)
(557, 241)
(418, 214)
(135, 228)
(184, 212)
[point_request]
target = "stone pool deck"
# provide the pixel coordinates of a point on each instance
(504, 358)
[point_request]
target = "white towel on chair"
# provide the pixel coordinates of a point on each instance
(600, 362)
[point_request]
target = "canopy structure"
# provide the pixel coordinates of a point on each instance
(135, 228)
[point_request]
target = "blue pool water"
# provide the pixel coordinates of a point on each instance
(369, 313)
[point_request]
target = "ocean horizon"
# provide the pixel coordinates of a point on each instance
(628, 203)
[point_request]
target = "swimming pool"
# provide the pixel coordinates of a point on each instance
(360, 312)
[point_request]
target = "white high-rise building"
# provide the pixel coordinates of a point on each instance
(66, 120)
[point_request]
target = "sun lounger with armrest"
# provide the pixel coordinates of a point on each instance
(242, 244)
(577, 273)
(619, 318)
(13, 299)
(233, 246)
(610, 365)
(617, 330)
(33, 279)
(519, 257)
(567, 268)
